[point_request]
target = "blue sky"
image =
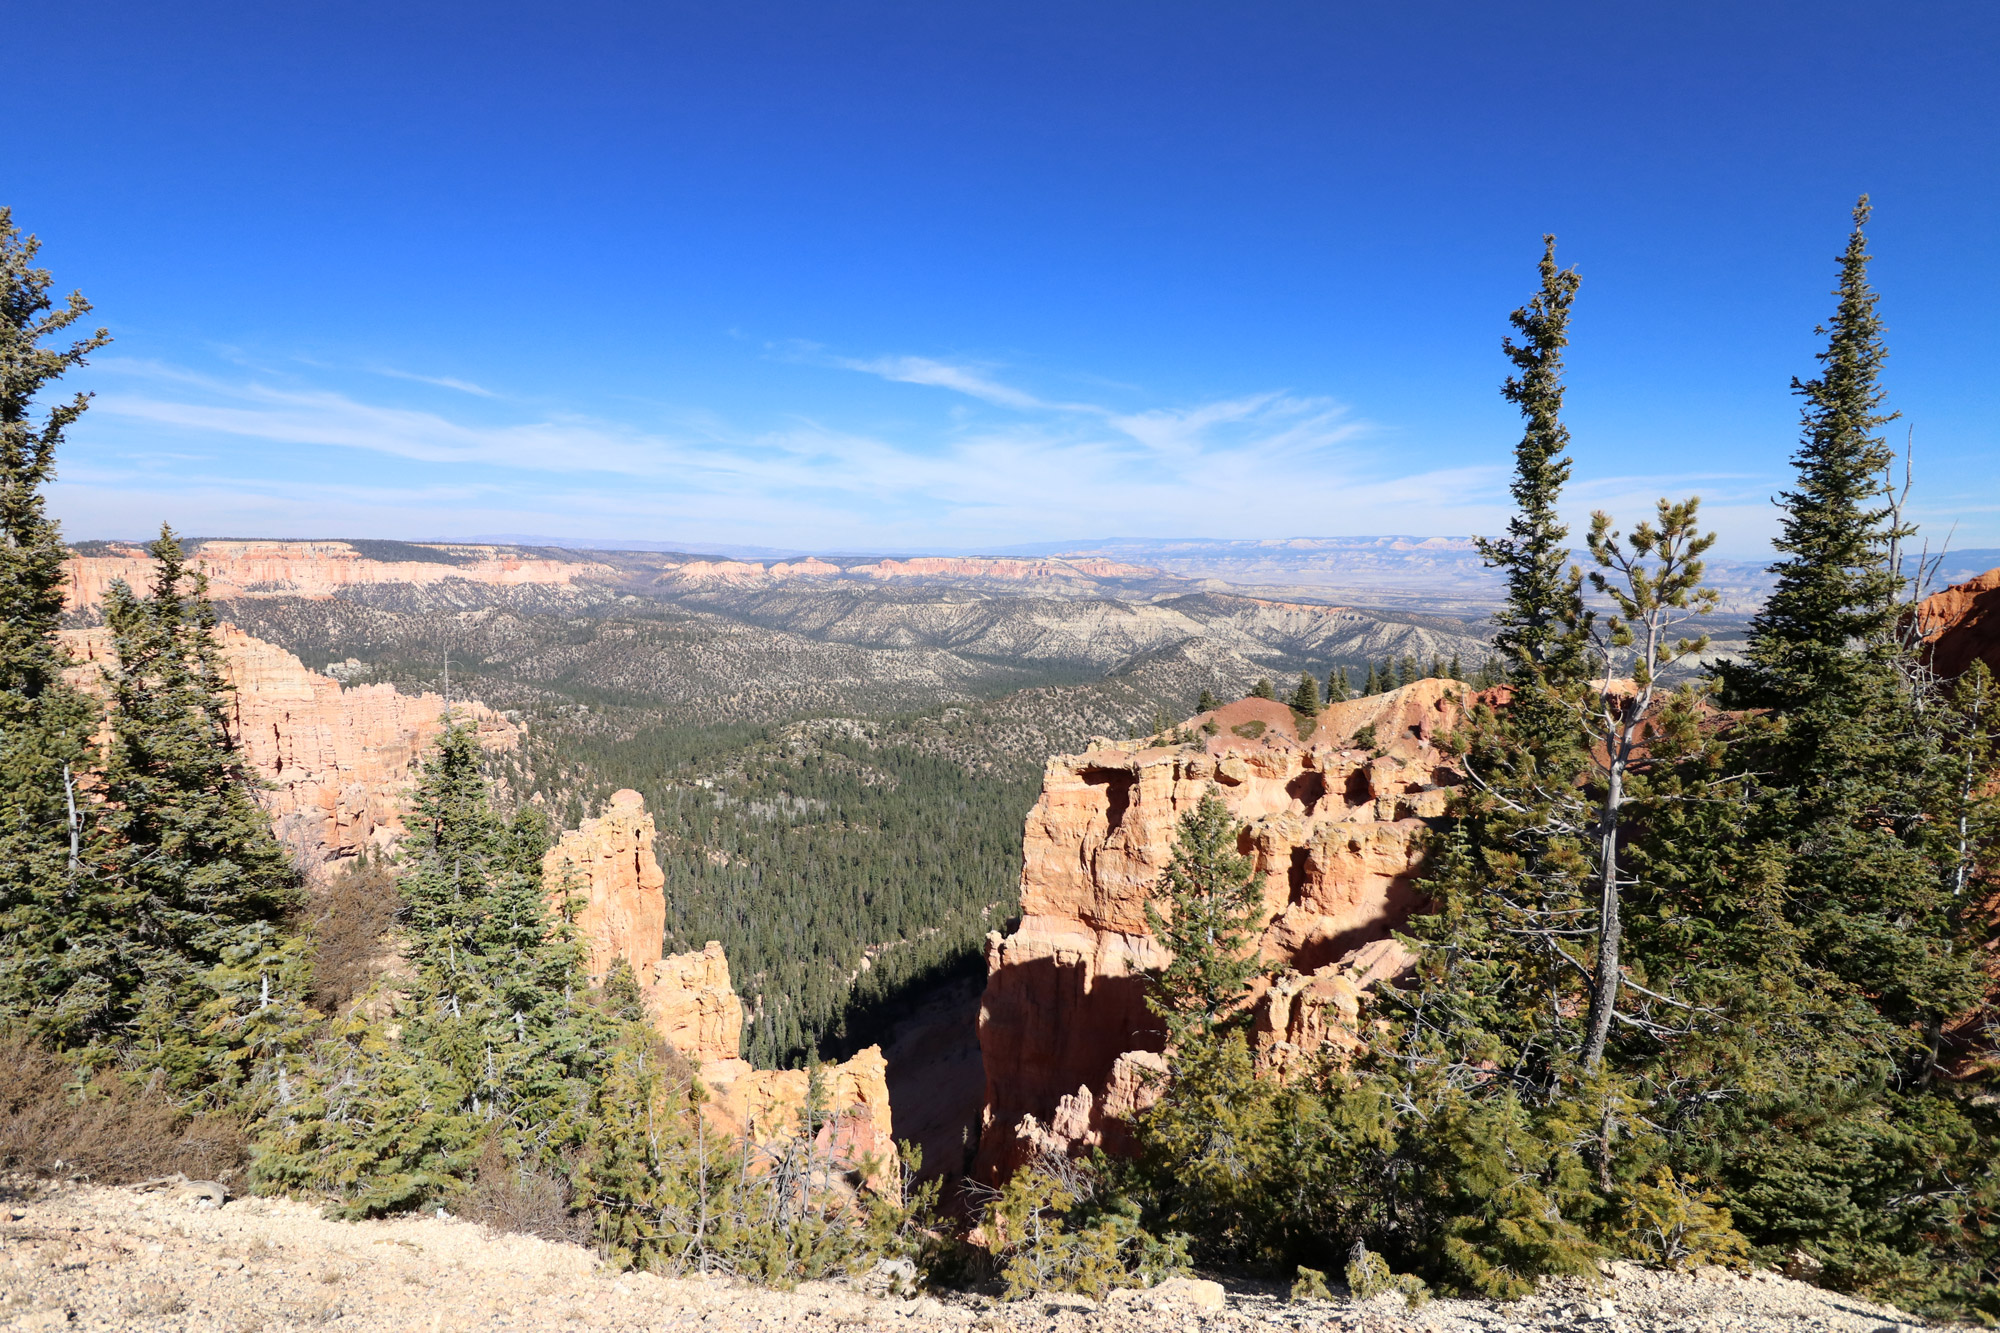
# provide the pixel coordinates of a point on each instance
(894, 276)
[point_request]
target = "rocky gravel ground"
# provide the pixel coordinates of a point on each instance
(100, 1258)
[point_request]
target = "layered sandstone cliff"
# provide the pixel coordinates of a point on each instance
(317, 569)
(605, 877)
(1333, 824)
(1960, 625)
(339, 760)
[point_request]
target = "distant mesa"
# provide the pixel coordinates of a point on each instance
(742, 572)
(317, 568)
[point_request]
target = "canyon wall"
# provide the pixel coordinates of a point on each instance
(316, 569)
(604, 875)
(340, 760)
(1333, 824)
(1960, 625)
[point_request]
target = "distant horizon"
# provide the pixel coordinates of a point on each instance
(1960, 558)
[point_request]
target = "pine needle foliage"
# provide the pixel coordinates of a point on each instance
(60, 968)
(201, 884)
(1533, 629)
(1202, 912)
(672, 1195)
(496, 1038)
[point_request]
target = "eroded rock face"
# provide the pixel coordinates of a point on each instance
(614, 888)
(1960, 625)
(341, 760)
(606, 873)
(1333, 824)
(695, 1007)
(315, 569)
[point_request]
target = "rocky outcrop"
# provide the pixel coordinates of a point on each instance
(603, 874)
(695, 1008)
(1333, 823)
(339, 760)
(317, 569)
(1960, 625)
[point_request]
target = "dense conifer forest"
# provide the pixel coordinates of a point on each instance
(838, 872)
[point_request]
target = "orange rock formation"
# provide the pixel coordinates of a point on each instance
(607, 874)
(340, 759)
(314, 569)
(1333, 827)
(1961, 625)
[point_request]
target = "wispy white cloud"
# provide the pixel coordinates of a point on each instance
(441, 381)
(972, 381)
(267, 452)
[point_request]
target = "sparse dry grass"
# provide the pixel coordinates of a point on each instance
(109, 1128)
(531, 1203)
(350, 920)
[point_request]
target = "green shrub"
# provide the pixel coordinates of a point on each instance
(1048, 1230)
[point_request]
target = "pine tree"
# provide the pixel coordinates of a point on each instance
(1263, 689)
(1373, 685)
(1208, 1144)
(1305, 699)
(1858, 962)
(1202, 911)
(1452, 671)
(496, 1039)
(1207, 703)
(1836, 589)
(1532, 636)
(204, 889)
(60, 966)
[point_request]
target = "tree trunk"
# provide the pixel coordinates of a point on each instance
(1610, 929)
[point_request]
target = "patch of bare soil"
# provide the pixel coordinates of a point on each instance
(103, 1258)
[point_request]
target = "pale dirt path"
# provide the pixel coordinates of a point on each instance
(85, 1258)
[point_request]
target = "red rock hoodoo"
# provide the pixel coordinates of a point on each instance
(340, 760)
(1332, 822)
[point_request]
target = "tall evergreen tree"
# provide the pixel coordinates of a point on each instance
(59, 956)
(1203, 910)
(1534, 554)
(496, 1038)
(1835, 590)
(1842, 1148)
(203, 888)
